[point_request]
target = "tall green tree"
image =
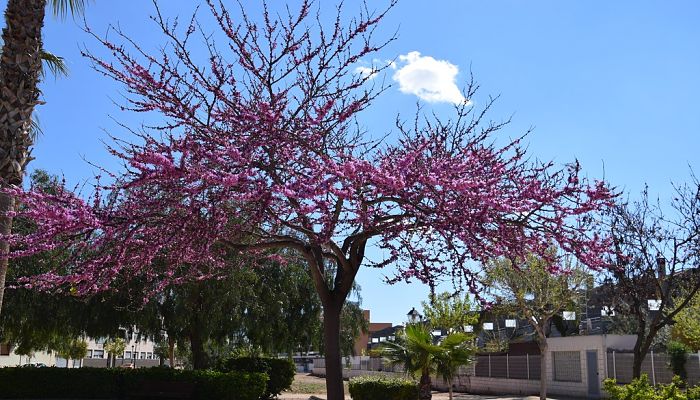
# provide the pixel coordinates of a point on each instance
(20, 75)
(531, 288)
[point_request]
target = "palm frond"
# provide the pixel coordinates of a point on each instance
(61, 8)
(35, 128)
(54, 63)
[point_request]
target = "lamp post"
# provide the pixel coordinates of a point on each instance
(133, 355)
(414, 316)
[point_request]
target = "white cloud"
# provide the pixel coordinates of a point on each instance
(430, 79)
(366, 72)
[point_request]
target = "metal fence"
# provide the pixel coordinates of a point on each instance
(655, 365)
(362, 364)
(507, 366)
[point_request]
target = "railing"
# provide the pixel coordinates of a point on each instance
(508, 366)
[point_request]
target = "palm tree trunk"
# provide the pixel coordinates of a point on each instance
(20, 72)
(425, 387)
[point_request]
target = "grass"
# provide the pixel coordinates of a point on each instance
(310, 386)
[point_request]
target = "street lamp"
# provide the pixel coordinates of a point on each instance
(413, 316)
(133, 355)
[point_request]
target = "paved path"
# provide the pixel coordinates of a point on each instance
(311, 381)
(436, 396)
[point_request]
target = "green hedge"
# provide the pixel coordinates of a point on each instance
(279, 370)
(382, 388)
(640, 388)
(103, 383)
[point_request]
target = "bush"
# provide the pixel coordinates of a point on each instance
(102, 383)
(279, 370)
(641, 389)
(678, 355)
(382, 388)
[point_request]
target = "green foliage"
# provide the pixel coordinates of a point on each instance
(74, 349)
(115, 346)
(687, 326)
(451, 312)
(678, 355)
(641, 389)
(382, 388)
(100, 383)
(280, 371)
(413, 349)
(454, 352)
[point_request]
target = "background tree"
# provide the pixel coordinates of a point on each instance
(656, 259)
(114, 347)
(687, 327)
(452, 312)
(35, 321)
(529, 285)
(260, 150)
(73, 349)
(20, 74)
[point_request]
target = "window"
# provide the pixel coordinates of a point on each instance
(143, 355)
(127, 355)
(567, 366)
(5, 349)
(98, 354)
(89, 354)
(149, 356)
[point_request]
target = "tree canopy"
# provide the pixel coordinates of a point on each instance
(260, 149)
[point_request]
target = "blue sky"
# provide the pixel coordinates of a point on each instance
(613, 84)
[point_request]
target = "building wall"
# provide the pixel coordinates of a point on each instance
(467, 381)
(14, 360)
(361, 342)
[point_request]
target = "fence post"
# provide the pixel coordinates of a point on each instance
(527, 361)
(614, 367)
(507, 367)
(489, 365)
(653, 370)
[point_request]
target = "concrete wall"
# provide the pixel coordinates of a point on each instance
(467, 381)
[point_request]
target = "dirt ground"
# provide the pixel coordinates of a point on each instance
(306, 385)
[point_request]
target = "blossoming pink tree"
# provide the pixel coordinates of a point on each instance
(259, 150)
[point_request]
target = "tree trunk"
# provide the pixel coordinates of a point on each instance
(331, 337)
(641, 347)
(171, 351)
(543, 369)
(198, 355)
(425, 387)
(20, 71)
(450, 388)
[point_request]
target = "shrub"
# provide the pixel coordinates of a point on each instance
(280, 371)
(382, 388)
(678, 355)
(101, 383)
(641, 389)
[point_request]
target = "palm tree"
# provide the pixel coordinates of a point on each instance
(20, 74)
(413, 349)
(455, 351)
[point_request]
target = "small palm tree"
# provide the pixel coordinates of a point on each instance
(455, 351)
(413, 349)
